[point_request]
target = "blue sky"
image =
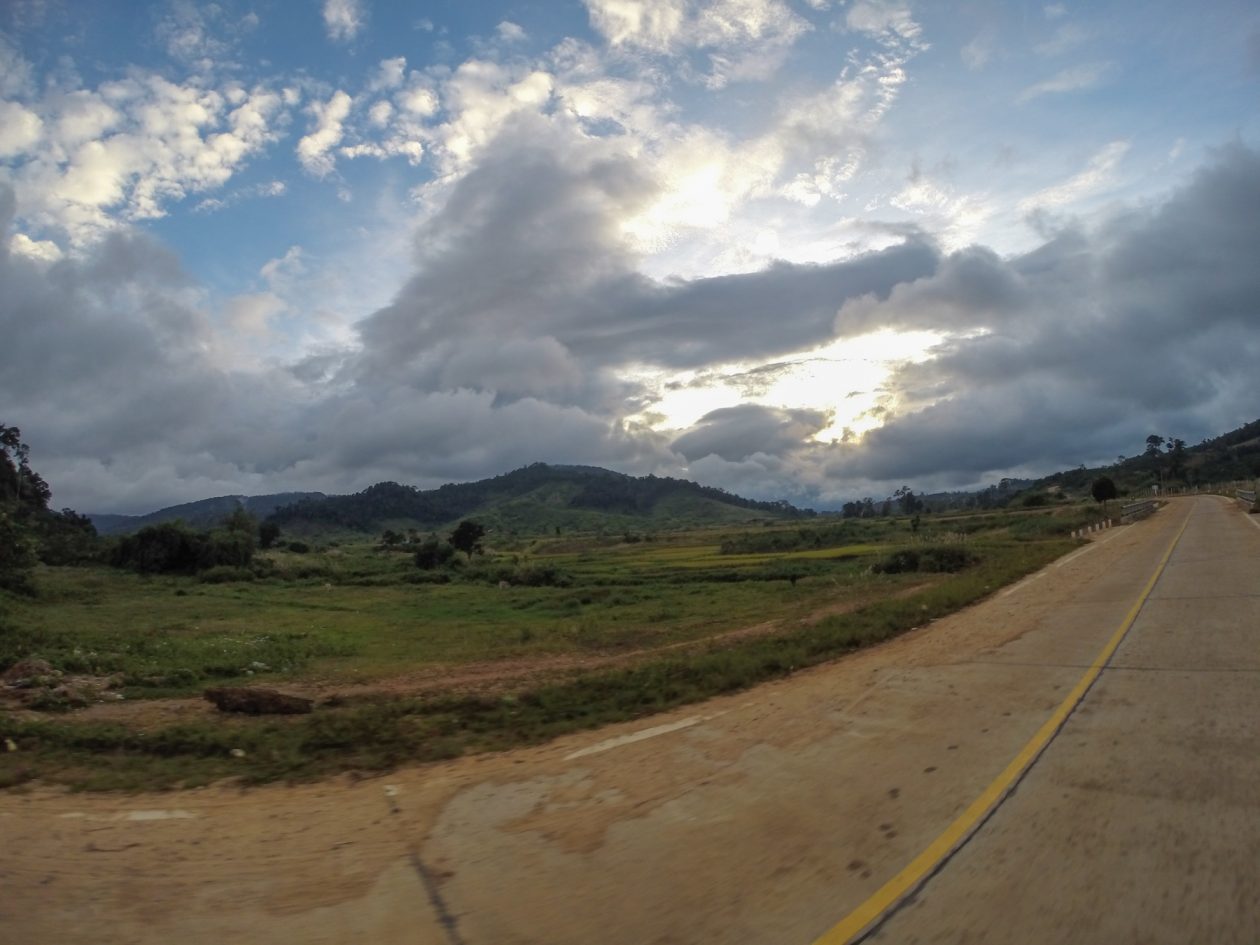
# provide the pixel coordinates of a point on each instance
(795, 248)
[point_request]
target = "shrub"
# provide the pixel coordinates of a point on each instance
(224, 574)
(299, 547)
(541, 575)
(433, 553)
(942, 559)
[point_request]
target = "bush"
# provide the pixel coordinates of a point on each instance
(433, 554)
(224, 574)
(541, 575)
(299, 547)
(940, 560)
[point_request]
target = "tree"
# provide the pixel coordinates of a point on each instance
(467, 537)
(908, 501)
(1176, 458)
(1153, 444)
(268, 534)
(25, 520)
(241, 521)
(1103, 490)
(433, 553)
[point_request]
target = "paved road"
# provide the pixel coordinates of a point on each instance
(1141, 822)
(765, 817)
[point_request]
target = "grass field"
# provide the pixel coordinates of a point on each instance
(643, 626)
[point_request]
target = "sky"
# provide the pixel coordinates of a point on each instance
(810, 250)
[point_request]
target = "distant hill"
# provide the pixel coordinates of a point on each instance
(1225, 458)
(204, 513)
(533, 500)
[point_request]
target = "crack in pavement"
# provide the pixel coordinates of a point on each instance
(446, 919)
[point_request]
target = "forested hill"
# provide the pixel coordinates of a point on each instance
(205, 513)
(1171, 463)
(533, 499)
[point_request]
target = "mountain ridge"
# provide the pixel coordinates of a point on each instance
(535, 498)
(202, 513)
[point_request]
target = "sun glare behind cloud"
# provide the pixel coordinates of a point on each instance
(846, 379)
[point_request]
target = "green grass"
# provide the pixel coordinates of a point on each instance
(360, 617)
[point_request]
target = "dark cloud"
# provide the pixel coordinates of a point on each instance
(735, 433)
(1088, 344)
(525, 284)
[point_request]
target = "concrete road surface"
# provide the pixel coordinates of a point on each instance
(770, 816)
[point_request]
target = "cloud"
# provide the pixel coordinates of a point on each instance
(343, 19)
(202, 36)
(390, 74)
(1096, 175)
(977, 53)
(84, 159)
(565, 268)
(20, 129)
(1077, 350)
(16, 75)
(1074, 79)
(736, 433)
(526, 331)
(510, 32)
(133, 396)
(314, 149)
(883, 18)
(1065, 38)
(740, 39)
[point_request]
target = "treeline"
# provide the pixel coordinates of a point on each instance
(598, 490)
(175, 548)
(30, 531)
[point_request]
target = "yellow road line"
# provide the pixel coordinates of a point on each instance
(957, 833)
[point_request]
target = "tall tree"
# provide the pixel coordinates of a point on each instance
(467, 537)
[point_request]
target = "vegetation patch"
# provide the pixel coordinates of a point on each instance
(378, 735)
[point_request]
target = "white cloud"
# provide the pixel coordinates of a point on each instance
(274, 188)
(883, 17)
(132, 146)
(185, 33)
(380, 113)
(343, 19)
(1097, 175)
(977, 53)
(510, 32)
(20, 129)
(390, 74)
(1074, 79)
(1065, 38)
(15, 71)
(742, 39)
(418, 99)
(42, 250)
(646, 24)
(314, 149)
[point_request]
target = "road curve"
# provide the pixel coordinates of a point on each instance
(765, 817)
